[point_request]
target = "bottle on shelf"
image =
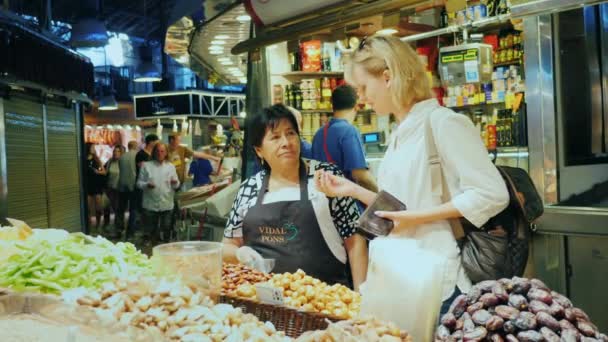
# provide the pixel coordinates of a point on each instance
(326, 93)
(287, 99)
(298, 97)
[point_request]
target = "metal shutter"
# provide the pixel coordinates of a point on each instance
(26, 182)
(63, 168)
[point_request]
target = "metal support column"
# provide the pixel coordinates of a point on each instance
(84, 209)
(3, 171)
(540, 100)
(257, 97)
(45, 135)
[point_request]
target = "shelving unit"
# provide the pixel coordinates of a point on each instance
(476, 105)
(295, 76)
(515, 62)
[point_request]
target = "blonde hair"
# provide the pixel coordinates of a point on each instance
(376, 54)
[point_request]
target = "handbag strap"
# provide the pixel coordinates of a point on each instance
(439, 186)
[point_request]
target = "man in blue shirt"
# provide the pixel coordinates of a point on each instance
(200, 169)
(339, 142)
(305, 146)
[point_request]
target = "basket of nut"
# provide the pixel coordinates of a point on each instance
(307, 303)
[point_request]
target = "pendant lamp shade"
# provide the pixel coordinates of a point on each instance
(108, 102)
(146, 71)
(89, 32)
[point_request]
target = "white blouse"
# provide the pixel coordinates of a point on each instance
(477, 189)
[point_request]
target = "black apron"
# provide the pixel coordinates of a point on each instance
(288, 231)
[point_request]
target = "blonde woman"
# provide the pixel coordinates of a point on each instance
(389, 76)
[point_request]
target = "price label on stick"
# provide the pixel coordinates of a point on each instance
(269, 294)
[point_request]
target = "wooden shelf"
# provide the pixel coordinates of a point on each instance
(305, 111)
(476, 105)
(299, 75)
(515, 62)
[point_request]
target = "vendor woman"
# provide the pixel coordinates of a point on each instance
(279, 214)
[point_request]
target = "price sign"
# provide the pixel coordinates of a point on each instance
(269, 294)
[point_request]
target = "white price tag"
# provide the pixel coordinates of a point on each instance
(471, 71)
(269, 294)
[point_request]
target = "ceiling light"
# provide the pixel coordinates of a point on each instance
(234, 69)
(243, 114)
(108, 102)
(226, 63)
(222, 36)
(222, 59)
(387, 31)
(216, 47)
(216, 52)
(243, 18)
(218, 42)
(146, 71)
(243, 80)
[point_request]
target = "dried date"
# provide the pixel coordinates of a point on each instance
(530, 336)
(442, 333)
(507, 312)
(458, 335)
(520, 285)
(587, 328)
(511, 338)
(574, 314)
(561, 300)
(509, 327)
(496, 338)
(556, 310)
(565, 325)
(518, 301)
(481, 317)
(486, 285)
(525, 321)
(449, 320)
(540, 295)
(549, 335)
(459, 324)
(476, 334)
(569, 335)
(473, 295)
(548, 321)
(459, 305)
(499, 291)
(507, 283)
(489, 300)
(468, 323)
(474, 308)
(589, 339)
(537, 306)
(537, 283)
(495, 323)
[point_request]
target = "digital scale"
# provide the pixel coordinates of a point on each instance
(373, 142)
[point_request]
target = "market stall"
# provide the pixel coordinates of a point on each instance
(185, 293)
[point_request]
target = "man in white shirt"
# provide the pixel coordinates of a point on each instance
(158, 181)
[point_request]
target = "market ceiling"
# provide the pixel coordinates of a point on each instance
(139, 18)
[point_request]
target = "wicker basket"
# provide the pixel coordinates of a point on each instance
(293, 322)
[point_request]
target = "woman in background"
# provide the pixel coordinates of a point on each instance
(112, 191)
(93, 183)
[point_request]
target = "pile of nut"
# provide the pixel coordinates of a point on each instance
(517, 309)
(309, 294)
(235, 275)
(174, 310)
(358, 330)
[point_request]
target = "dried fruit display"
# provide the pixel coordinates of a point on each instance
(358, 330)
(309, 294)
(516, 309)
(235, 275)
(174, 310)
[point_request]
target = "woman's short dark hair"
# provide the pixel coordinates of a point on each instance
(269, 118)
(344, 97)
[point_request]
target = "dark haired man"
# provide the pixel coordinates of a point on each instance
(339, 142)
